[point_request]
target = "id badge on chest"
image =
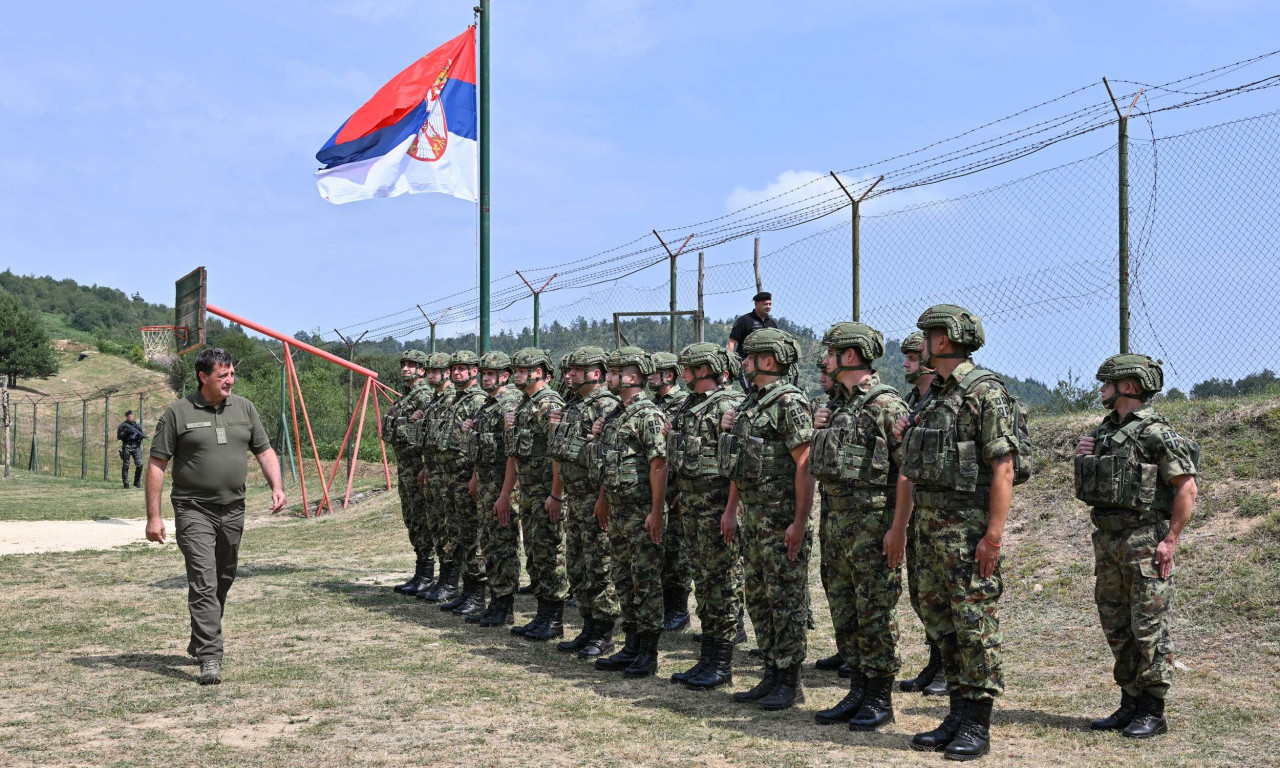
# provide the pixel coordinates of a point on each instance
(221, 432)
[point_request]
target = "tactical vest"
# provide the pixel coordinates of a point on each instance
(450, 440)
(840, 454)
(571, 442)
(485, 445)
(1125, 491)
(745, 455)
(692, 455)
(621, 465)
(425, 429)
(523, 441)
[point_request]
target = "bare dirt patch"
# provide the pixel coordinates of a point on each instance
(27, 537)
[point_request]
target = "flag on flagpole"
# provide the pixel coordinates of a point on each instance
(417, 133)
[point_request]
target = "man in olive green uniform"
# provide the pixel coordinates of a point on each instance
(493, 477)
(765, 451)
(1139, 477)
(677, 572)
(960, 455)
(430, 480)
(633, 468)
(709, 508)
(855, 456)
(206, 436)
(398, 429)
(528, 429)
(931, 681)
(586, 540)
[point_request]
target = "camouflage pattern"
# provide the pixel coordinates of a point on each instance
(677, 571)
(500, 544)
(776, 587)
(454, 470)
(543, 539)
(959, 607)
(717, 567)
(435, 510)
(398, 430)
(913, 556)
(634, 438)
(1134, 603)
(862, 590)
(961, 325)
(587, 549)
(1148, 372)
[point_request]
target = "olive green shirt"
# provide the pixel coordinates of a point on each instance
(206, 446)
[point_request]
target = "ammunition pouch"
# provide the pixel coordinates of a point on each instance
(1120, 482)
(837, 455)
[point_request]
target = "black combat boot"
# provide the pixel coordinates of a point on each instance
(829, 664)
(417, 574)
(719, 670)
(1148, 720)
(787, 693)
(601, 641)
(479, 616)
(1120, 719)
(579, 642)
(741, 637)
(845, 672)
(474, 605)
(426, 582)
(762, 688)
(460, 596)
(932, 670)
(534, 624)
(645, 663)
(877, 707)
(553, 626)
(676, 610)
(137, 477)
(704, 659)
(937, 739)
(844, 711)
(973, 738)
(623, 658)
(447, 589)
(525, 590)
(500, 613)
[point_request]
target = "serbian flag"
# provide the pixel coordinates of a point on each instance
(417, 133)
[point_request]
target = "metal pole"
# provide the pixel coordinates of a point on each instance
(698, 329)
(673, 302)
(33, 461)
(84, 438)
(537, 337)
(484, 180)
(1124, 235)
(106, 426)
(755, 263)
(286, 445)
(4, 417)
(140, 404)
(857, 262)
(57, 434)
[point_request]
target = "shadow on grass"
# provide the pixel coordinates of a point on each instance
(165, 665)
(244, 571)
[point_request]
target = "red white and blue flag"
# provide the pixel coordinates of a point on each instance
(417, 133)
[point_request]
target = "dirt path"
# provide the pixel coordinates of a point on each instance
(30, 537)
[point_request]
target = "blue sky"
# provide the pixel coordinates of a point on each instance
(143, 139)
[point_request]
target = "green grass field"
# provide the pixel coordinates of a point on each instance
(326, 666)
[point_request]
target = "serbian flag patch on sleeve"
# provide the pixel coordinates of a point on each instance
(417, 133)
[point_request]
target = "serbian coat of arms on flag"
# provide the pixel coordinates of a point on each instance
(417, 133)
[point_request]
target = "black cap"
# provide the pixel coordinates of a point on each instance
(762, 296)
(128, 413)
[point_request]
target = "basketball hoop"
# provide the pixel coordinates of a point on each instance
(159, 343)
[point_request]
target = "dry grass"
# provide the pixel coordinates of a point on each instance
(325, 666)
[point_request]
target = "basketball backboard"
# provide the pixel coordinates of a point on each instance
(188, 304)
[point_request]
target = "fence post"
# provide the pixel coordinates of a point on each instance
(673, 302)
(140, 403)
(57, 438)
(856, 240)
(698, 329)
(4, 417)
(84, 438)
(33, 461)
(1123, 159)
(106, 419)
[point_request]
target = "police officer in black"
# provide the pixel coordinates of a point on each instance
(753, 320)
(130, 435)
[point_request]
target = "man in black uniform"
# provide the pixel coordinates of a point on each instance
(756, 318)
(130, 435)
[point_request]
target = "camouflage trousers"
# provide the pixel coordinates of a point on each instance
(1133, 607)
(776, 588)
(587, 553)
(958, 606)
(862, 590)
(462, 524)
(676, 568)
(637, 561)
(499, 543)
(435, 514)
(413, 508)
(717, 566)
(543, 539)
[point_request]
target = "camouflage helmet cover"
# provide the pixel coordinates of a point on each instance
(779, 343)
(464, 357)
(667, 361)
(636, 356)
(584, 357)
(961, 325)
(415, 356)
(913, 343)
(1147, 371)
(705, 353)
(438, 360)
(867, 340)
(531, 357)
(495, 361)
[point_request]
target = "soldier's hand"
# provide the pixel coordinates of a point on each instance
(597, 426)
(653, 524)
(473, 488)
(729, 524)
(1085, 446)
(821, 417)
(155, 530)
(726, 421)
(895, 547)
(901, 425)
(422, 473)
(666, 428)
(553, 508)
(1164, 557)
(509, 418)
(416, 416)
(795, 537)
(988, 556)
(601, 512)
(555, 415)
(502, 508)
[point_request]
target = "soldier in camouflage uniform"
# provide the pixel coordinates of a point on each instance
(960, 453)
(765, 451)
(455, 469)
(827, 398)
(677, 572)
(931, 681)
(528, 430)
(493, 477)
(709, 508)
(1139, 477)
(586, 540)
(632, 465)
(855, 456)
(429, 479)
(398, 426)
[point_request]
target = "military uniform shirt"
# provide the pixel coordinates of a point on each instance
(986, 416)
(1158, 444)
(206, 446)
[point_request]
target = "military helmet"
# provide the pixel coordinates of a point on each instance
(438, 360)
(1148, 372)
(961, 325)
(913, 343)
(636, 356)
(667, 361)
(415, 356)
(585, 357)
(495, 361)
(531, 357)
(705, 353)
(464, 357)
(780, 344)
(867, 340)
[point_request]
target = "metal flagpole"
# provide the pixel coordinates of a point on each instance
(483, 10)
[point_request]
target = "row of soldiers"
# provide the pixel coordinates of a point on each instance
(622, 482)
